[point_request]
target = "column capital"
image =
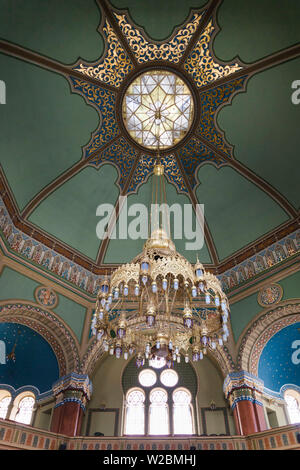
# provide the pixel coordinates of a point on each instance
(242, 385)
(72, 388)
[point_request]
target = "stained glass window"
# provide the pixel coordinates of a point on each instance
(293, 407)
(182, 412)
(25, 410)
(158, 412)
(158, 109)
(135, 414)
(4, 404)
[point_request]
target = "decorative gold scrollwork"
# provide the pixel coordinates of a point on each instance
(147, 51)
(201, 65)
(116, 64)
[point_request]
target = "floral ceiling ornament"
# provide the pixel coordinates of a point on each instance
(133, 102)
(46, 297)
(270, 295)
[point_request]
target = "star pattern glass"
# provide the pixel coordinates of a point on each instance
(158, 109)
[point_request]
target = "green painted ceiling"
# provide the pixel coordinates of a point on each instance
(19, 287)
(238, 206)
(257, 28)
(245, 310)
(264, 126)
(44, 127)
(124, 252)
(156, 17)
(73, 219)
(63, 30)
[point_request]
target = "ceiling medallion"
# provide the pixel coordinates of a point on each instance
(158, 109)
(270, 295)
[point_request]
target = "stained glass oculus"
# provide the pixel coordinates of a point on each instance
(158, 109)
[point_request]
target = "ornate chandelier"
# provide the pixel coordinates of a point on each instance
(160, 306)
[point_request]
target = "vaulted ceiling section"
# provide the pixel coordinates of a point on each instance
(64, 148)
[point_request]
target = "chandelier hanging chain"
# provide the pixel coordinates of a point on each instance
(159, 306)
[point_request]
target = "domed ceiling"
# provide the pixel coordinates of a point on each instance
(83, 82)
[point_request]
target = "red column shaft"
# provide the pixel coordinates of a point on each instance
(260, 417)
(245, 415)
(67, 419)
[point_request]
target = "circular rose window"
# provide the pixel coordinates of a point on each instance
(169, 378)
(147, 378)
(158, 109)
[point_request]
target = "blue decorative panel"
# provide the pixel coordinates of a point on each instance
(104, 101)
(279, 363)
(211, 101)
(195, 153)
(29, 358)
(122, 155)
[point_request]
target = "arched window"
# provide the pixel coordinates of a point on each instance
(158, 412)
(25, 410)
(135, 414)
(292, 399)
(4, 404)
(182, 412)
(157, 404)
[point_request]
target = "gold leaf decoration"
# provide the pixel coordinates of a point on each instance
(200, 64)
(146, 51)
(116, 64)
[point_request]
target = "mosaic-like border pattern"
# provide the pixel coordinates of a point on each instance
(275, 254)
(67, 270)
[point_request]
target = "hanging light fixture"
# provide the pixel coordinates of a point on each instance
(160, 306)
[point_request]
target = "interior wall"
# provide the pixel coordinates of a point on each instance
(43, 416)
(210, 389)
(108, 395)
(280, 416)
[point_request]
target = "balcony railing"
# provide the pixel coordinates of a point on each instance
(17, 436)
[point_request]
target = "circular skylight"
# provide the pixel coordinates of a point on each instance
(158, 109)
(169, 378)
(147, 378)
